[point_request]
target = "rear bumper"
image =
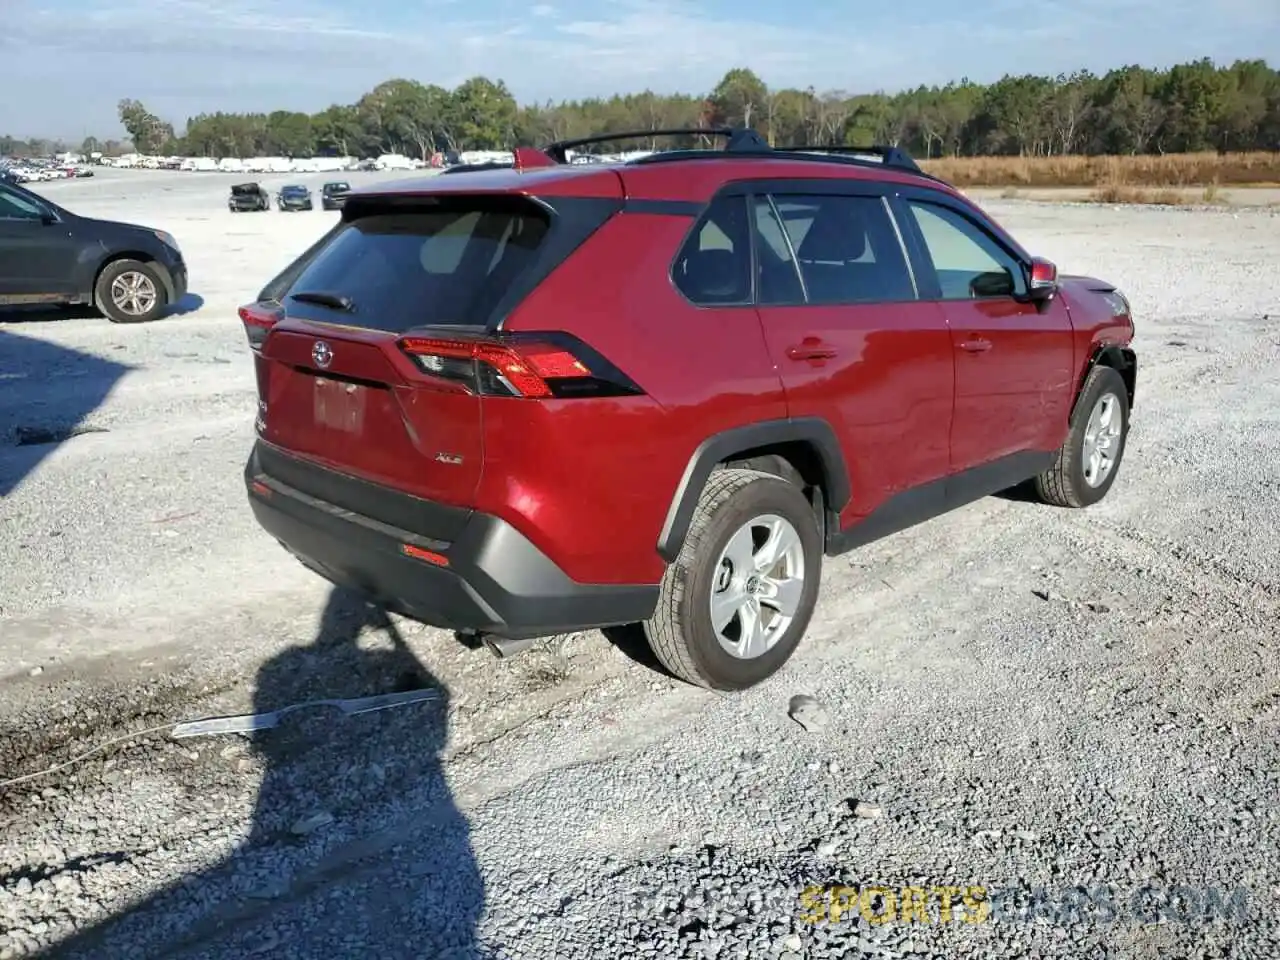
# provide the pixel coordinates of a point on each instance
(492, 579)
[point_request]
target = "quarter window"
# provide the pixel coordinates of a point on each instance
(714, 265)
(846, 248)
(969, 264)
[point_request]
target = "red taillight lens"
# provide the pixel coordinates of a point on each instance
(520, 365)
(258, 319)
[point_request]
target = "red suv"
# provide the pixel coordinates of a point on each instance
(558, 396)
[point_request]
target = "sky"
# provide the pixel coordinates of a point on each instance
(64, 64)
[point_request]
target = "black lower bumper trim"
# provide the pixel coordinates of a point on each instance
(496, 580)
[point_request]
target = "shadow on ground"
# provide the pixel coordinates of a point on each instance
(189, 303)
(310, 880)
(47, 393)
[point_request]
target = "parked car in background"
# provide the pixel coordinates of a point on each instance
(51, 256)
(294, 197)
(334, 195)
(247, 197)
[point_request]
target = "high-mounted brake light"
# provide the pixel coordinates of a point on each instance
(533, 366)
(258, 319)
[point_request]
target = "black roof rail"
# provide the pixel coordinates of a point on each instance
(845, 155)
(745, 141)
(473, 167)
(737, 138)
(889, 156)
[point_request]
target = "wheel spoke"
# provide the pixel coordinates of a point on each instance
(738, 551)
(752, 642)
(783, 539)
(783, 595)
(724, 606)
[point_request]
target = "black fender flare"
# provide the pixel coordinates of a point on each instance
(814, 431)
(1121, 358)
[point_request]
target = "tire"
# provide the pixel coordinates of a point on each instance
(1075, 479)
(682, 634)
(131, 274)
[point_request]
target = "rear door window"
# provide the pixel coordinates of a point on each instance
(405, 268)
(847, 249)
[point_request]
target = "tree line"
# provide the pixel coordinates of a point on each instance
(1190, 107)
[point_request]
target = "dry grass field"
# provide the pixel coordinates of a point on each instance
(1127, 173)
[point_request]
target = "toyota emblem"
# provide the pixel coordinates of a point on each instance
(322, 354)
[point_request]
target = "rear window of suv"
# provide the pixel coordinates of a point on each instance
(440, 265)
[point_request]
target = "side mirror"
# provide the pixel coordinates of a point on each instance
(1042, 280)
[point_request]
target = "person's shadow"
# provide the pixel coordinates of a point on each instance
(324, 870)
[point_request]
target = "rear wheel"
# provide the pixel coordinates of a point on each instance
(129, 291)
(739, 597)
(1088, 462)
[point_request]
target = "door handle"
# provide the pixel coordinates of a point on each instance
(811, 348)
(977, 345)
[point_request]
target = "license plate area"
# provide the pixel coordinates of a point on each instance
(338, 405)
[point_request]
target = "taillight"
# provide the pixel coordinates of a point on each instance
(531, 365)
(258, 319)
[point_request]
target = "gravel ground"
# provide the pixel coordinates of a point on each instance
(1069, 716)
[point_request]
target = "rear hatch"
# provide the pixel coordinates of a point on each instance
(336, 386)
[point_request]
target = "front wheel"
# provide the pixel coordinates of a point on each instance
(1087, 464)
(738, 599)
(130, 291)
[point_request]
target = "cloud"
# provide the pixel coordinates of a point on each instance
(183, 57)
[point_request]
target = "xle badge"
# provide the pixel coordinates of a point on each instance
(450, 458)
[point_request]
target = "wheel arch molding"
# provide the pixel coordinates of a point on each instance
(1119, 357)
(814, 434)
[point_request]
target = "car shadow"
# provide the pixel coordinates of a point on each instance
(306, 881)
(188, 303)
(1024, 492)
(47, 393)
(631, 642)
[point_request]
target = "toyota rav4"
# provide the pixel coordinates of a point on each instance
(555, 397)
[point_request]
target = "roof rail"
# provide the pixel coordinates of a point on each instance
(558, 150)
(745, 141)
(889, 156)
(477, 167)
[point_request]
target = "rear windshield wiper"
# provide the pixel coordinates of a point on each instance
(334, 300)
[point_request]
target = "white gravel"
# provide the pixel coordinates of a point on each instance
(1012, 696)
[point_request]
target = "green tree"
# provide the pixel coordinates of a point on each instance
(1129, 110)
(482, 114)
(150, 134)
